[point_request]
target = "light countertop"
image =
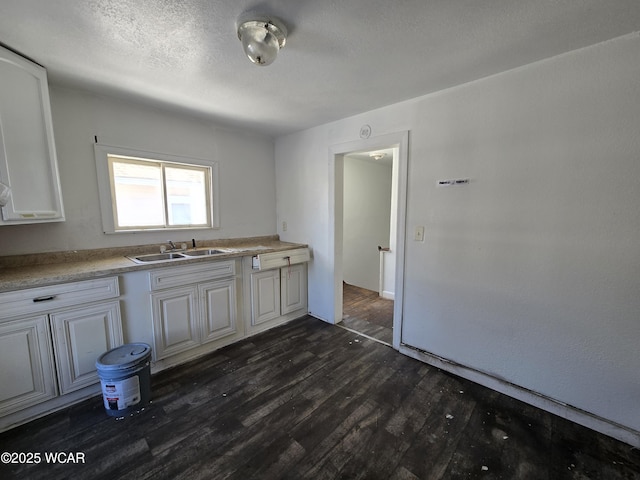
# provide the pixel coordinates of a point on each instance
(37, 270)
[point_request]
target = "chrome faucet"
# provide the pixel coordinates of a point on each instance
(173, 245)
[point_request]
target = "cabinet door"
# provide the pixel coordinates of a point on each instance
(294, 288)
(175, 321)
(80, 336)
(265, 296)
(26, 364)
(28, 162)
(218, 308)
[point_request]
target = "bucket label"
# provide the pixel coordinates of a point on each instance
(121, 394)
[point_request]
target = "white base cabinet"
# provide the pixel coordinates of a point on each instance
(185, 317)
(218, 302)
(294, 288)
(80, 336)
(26, 364)
(265, 296)
(51, 337)
(175, 321)
(276, 296)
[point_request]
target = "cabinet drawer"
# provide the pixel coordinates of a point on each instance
(266, 261)
(180, 276)
(45, 299)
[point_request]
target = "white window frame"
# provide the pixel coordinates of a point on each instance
(107, 202)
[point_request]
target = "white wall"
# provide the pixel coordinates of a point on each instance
(531, 273)
(247, 181)
(367, 213)
(390, 257)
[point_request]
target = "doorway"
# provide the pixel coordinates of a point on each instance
(366, 243)
(367, 313)
(397, 144)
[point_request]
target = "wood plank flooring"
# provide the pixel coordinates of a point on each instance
(366, 312)
(309, 400)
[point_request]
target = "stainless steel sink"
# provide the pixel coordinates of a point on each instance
(200, 253)
(182, 254)
(157, 257)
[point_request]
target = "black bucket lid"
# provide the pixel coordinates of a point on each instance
(124, 356)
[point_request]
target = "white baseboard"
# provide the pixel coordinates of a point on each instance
(388, 295)
(581, 417)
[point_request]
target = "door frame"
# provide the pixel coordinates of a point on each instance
(399, 140)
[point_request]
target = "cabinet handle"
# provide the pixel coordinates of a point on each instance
(44, 299)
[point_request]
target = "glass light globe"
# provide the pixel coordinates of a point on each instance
(260, 45)
(261, 40)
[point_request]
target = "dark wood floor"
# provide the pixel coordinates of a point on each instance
(366, 312)
(307, 401)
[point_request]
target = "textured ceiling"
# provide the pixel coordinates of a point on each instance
(342, 57)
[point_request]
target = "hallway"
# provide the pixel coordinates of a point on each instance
(364, 311)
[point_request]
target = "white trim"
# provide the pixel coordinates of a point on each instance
(388, 295)
(336, 184)
(548, 404)
(360, 334)
(104, 185)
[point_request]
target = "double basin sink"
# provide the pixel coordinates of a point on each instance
(184, 254)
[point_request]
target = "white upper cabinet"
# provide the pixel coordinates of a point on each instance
(28, 164)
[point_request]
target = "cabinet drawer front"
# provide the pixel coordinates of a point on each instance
(179, 276)
(45, 299)
(266, 261)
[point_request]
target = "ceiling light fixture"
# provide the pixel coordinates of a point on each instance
(377, 155)
(262, 38)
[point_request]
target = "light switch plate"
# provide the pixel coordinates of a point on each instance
(418, 236)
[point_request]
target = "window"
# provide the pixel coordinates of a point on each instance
(141, 191)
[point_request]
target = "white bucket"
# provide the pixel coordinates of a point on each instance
(125, 376)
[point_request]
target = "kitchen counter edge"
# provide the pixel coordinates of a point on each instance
(88, 267)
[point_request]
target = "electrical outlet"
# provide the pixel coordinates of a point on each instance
(284, 226)
(418, 236)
